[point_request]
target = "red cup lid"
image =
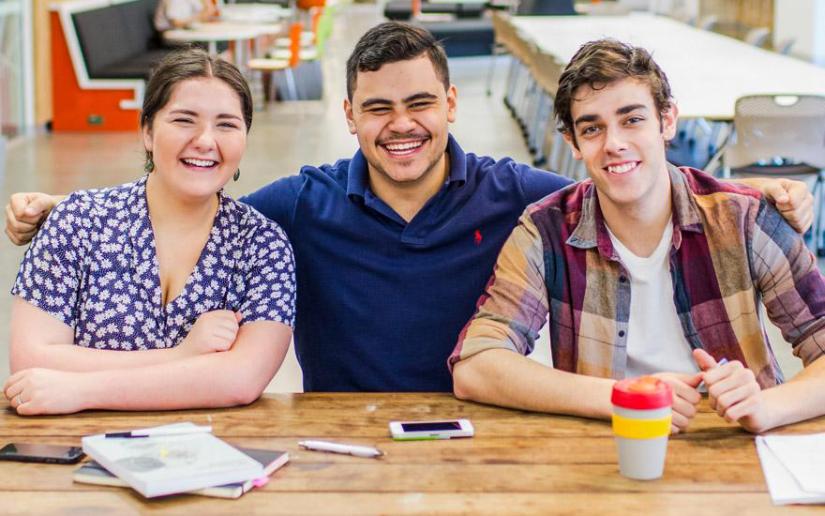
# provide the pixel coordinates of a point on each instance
(645, 392)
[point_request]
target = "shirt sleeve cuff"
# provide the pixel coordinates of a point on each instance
(470, 347)
(811, 348)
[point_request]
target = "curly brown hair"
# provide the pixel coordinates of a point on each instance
(600, 63)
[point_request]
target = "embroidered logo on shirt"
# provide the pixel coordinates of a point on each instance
(477, 237)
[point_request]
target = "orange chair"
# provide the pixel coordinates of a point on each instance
(308, 41)
(271, 65)
(306, 5)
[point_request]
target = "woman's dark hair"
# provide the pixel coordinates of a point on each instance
(390, 42)
(191, 63)
(598, 64)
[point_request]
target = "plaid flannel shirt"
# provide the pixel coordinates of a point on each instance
(731, 251)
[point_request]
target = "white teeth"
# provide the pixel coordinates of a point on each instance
(200, 162)
(403, 146)
(621, 169)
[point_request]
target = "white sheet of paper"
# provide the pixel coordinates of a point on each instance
(782, 484)
(803, 456)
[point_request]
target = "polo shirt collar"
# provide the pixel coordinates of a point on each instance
(358, 177)
(591, 230)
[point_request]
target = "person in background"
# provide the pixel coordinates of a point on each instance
(162, 293)
(394, 245)
(645, 268)
(180, 14)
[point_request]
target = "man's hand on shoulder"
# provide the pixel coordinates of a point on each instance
(24, 214)
(790, 197)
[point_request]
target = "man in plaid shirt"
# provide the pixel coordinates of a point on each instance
(644, 268)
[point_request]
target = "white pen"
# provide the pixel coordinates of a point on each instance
(346, 449)
(152, 432)
(702, 386)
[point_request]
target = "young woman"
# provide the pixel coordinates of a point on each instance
(163, 293)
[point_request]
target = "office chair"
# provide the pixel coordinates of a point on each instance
(757, 36)
(784, 47)
(780, 136)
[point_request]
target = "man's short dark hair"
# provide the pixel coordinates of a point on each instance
(598, 64)
(391, 42)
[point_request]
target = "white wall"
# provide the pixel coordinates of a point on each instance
(803, 20)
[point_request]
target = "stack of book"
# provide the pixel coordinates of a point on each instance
(179, 458)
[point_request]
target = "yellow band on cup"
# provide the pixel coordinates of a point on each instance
(640, 428)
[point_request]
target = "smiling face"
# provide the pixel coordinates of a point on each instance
(401, 114)
(621, 139)
(197, 138)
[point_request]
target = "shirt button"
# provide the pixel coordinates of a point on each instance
(621, 333)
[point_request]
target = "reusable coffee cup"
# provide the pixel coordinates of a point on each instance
(641, 424)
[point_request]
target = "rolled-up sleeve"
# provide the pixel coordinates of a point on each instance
(513, 307)
(792, 287)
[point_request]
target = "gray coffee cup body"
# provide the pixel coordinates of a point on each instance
(642, 459)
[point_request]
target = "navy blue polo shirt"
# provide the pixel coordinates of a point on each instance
(381, 301)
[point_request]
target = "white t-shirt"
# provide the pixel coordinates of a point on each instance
(169, 10)
(655, 339)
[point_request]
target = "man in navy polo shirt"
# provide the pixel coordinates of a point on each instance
(393, 246)
(390, 245)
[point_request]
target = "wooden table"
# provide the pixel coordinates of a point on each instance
(254, 13)
(518, 463)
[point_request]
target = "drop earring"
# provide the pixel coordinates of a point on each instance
(237, 175)
(149, 166)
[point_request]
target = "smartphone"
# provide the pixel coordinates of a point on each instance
(48, 453)
(426, 430)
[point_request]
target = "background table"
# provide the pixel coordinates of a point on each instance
(518, 463)
(238, 32)
(707, 71)
(254, 13)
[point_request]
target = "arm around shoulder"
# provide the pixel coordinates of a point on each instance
(791, 198)
(25, 212)
(538, 183)
(48, 291)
